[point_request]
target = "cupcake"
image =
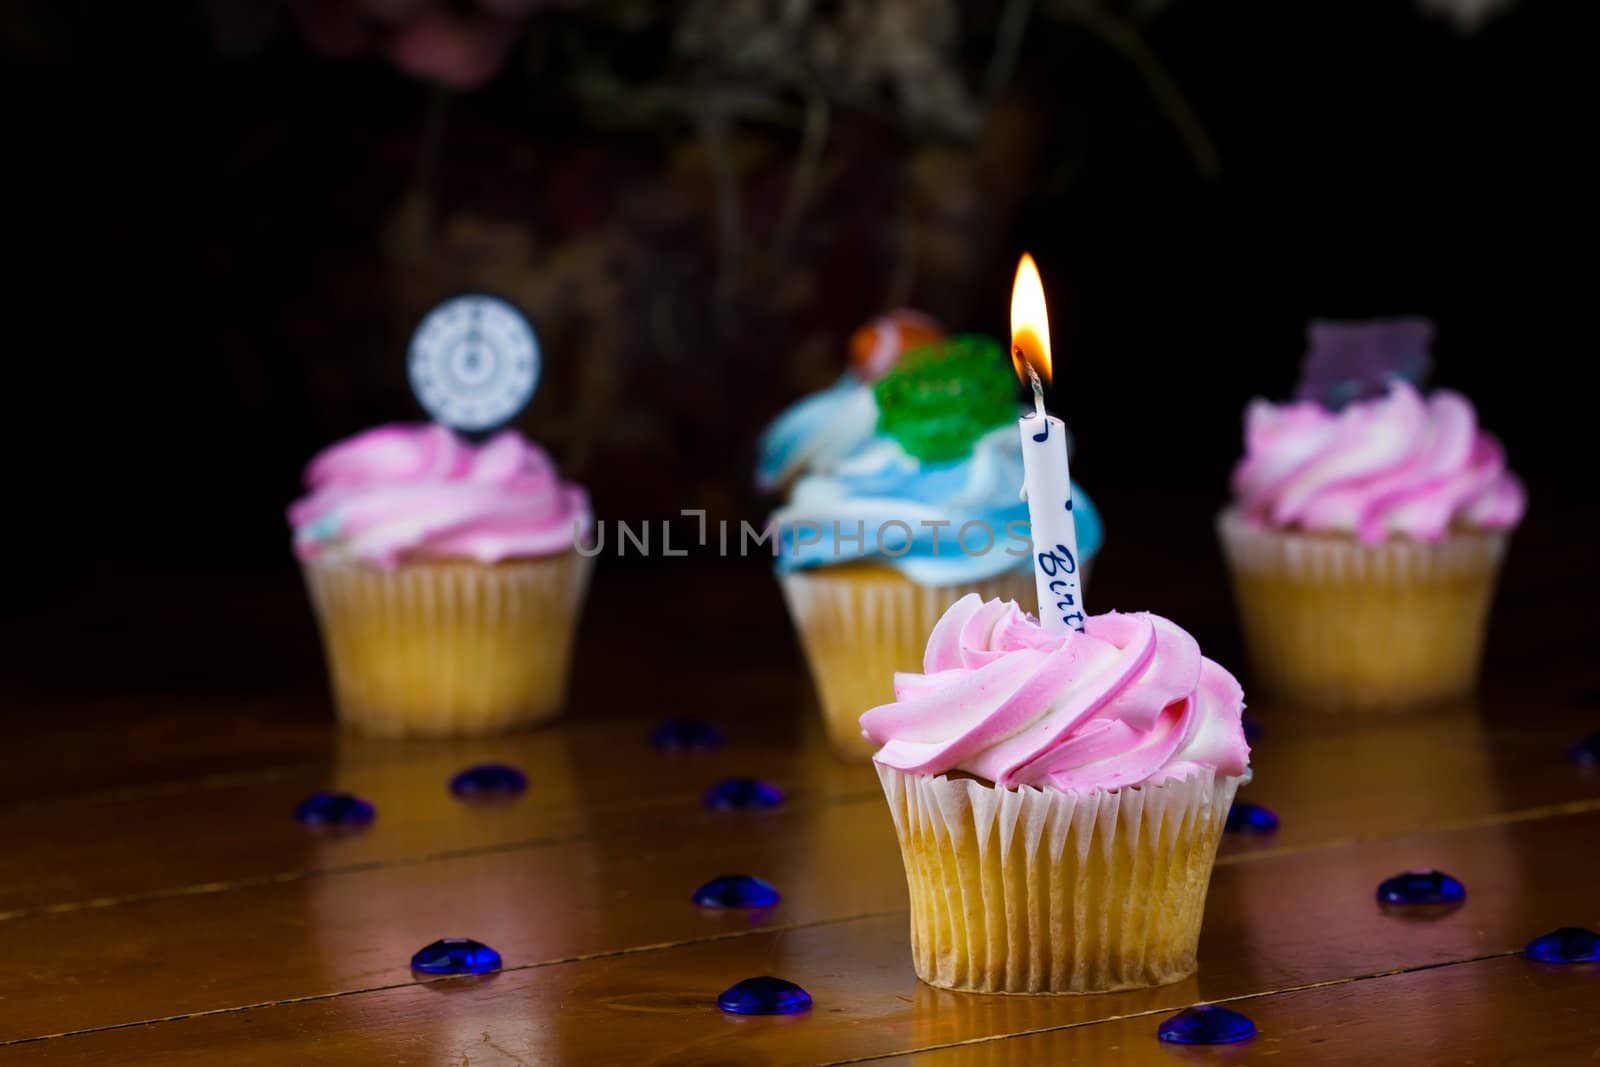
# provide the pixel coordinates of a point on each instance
(1059, 798)
(894, 524)
(445, 579)
(1367, 529)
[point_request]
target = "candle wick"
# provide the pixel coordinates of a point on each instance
(1038, 391)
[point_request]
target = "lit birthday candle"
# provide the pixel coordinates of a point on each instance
(1047, 485)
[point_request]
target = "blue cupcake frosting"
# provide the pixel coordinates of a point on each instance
(817, 433)
(937, 523)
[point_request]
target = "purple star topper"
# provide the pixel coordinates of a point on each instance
(1350, 361)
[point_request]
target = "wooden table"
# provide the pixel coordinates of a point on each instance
(160, 905)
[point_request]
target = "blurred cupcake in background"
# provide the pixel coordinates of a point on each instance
(445, 578)
(912, 501)
(1368, 526)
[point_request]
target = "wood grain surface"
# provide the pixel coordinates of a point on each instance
(162, 907)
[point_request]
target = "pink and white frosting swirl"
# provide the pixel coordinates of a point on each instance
(1399, 464)
(405, 492)
(1129, 701)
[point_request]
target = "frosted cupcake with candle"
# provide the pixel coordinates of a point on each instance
(1368, 526)
(915, 515)
(445, 578)
(1058, 797)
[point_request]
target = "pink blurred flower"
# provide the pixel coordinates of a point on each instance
(459, 46)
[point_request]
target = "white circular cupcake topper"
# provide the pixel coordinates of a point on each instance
(474, 362)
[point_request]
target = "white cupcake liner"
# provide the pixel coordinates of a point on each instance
(1327, 559)
(436, 648)
(1331, 621)
(1053, 891)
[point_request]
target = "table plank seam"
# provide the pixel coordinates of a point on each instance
(207, 782)
(1328, 983)
(632, 950)
(1577, 807)
(176, 787)
(420, 859)
(1445, 826)
(289, 1001)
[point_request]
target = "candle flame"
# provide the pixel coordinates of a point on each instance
(1030, 322)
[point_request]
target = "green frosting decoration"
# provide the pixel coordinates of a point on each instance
(940, 398)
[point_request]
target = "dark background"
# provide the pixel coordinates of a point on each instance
(222, 239)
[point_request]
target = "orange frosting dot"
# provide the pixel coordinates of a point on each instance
(878, 345)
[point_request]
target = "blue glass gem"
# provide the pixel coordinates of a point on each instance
(677, 735)
(736, 891)
(1421, 887)
(1252, 727)
(764, 996)
(335, 811)
(456, 955)
(739, 794)
(489, 781)
(1206, 1024)
(1586, 753)
(1570, 944)
(1247, 818)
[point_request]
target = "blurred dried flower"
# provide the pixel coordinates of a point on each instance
(752, 179)
(886, 55)
(1468, 16)
(456, 46)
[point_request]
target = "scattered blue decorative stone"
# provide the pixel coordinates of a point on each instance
(1570, 944)
(1252, 727)
(1206, 1024)
(489, 781)
(1421, 887)
(1586, 753)
(1247, 818)
(335, 811)
(764, 996)
(736, 891)
(456, 955)
(678, 735)
(739, 794)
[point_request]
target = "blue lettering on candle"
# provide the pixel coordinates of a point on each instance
(1044, 434)
(1059, 561)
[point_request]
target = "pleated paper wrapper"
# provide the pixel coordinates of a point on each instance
(1054, 891)
(1331, 622)
(448, 648)
(860, 625)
